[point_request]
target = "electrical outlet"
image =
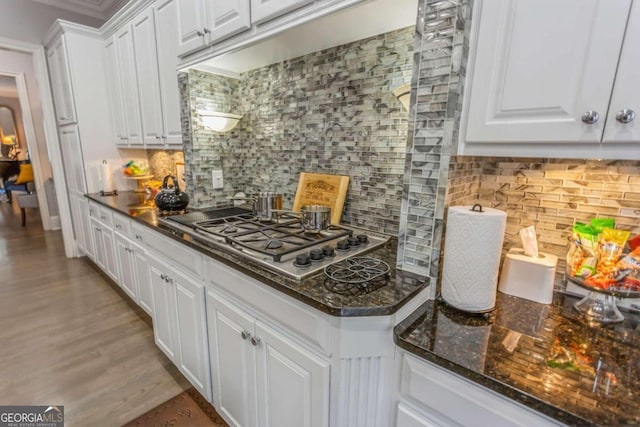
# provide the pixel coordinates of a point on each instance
(218, 181)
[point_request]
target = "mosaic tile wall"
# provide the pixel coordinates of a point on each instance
(552, 194)
(163, 162)
(439, 69)
(328, 112)
(206, 150)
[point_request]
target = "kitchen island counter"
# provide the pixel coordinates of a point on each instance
(402, 287)
(543, 356)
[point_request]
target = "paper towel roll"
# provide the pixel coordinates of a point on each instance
(472, 250)
(106, 177)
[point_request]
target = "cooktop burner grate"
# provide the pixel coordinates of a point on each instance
(273, 238)
(357, 275)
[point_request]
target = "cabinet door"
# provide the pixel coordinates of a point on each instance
(100, 254)
(71, 151)
(110, 252)
(61, 83)
(146, 60)
(143, 279)
(626, 91)
(129, 83)
(232, 361)
(164, 311)
(226, 18)
(127, 267)
(114, 83)
(536, 73)
(191, 17)
(293, 384)
(168, 40)
(263, 10)
(192, 335)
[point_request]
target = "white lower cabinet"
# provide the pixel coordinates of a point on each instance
(179, 324)
(143, 278)
(260, 376)
(105, 255)
(433, 396)
(127, 266)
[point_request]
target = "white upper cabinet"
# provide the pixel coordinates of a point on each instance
(622, 125)
(263, 10)
(115, 92)
(191, 22)
(129, 84)
(146, 66)
(61, 83)
(544, 72)
(168, 41)
(203, 22)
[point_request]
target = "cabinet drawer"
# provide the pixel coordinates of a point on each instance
(174, 251)
(122, 224)
(105, 216)
(445, 394)
(294, 316)
(94, 210)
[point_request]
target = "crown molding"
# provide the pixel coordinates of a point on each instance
(59, 27)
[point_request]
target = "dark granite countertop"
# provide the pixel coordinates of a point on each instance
(384, 301)
(523, 350)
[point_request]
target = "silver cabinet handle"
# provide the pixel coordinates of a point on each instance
(164, 136)
(104, 218)
(163, 277)
(255, 340)
(590, 117)
(118, 226)
(98, 229)
(200, 33)
(139, 237)
(157, 136)
(206, 30)
(245, 334)
(625, 116)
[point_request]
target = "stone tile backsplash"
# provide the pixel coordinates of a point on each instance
(551, 194)
(330, 112)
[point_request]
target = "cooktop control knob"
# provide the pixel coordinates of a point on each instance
(343, 245)
(328, 251)
(302, 260)
(353, 241)
(362, 238)
(316, 254)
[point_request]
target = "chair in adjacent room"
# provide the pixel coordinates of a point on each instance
(21, 183)
(28, 200)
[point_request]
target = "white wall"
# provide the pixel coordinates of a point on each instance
(29, 21)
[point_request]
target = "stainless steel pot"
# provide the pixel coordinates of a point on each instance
(264, 204)
(315, 218)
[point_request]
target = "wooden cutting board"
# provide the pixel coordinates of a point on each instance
(320, 189)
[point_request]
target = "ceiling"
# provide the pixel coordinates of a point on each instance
(8, 88)
(101, 9)
(354, 23)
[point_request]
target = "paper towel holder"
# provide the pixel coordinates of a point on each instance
(103, 193)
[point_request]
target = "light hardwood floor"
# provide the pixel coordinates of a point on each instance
(68, 337)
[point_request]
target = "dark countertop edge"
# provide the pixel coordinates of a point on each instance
(331, 310)
(505, 390)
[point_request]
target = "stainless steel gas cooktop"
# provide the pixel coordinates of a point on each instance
(280, 245)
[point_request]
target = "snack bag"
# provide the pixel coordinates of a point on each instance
(600, 224)
(610, 249)
(582, 257)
